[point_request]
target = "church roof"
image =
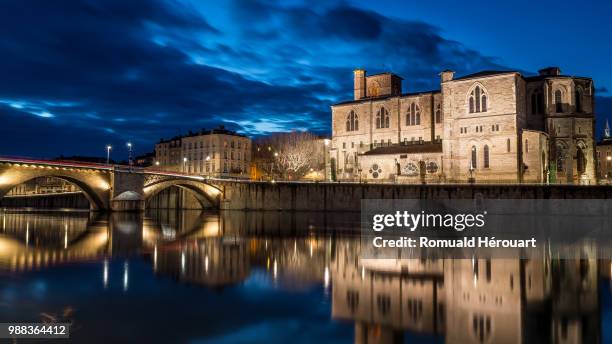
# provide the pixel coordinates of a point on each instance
(485, 73)
(413, 148)
(367, 99)
(386, 73)
(542, 77)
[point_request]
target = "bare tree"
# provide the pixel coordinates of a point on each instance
(291, 155)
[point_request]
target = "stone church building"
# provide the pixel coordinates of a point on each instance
(486, 127)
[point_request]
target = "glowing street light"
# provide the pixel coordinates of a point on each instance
(129, 146)
(185, 164)
(108, 149)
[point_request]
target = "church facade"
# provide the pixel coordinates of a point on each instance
(487, 127)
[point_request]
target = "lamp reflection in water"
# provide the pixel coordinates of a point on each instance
(125, 276)
(65, 236)
(27, 238)
(326, 278)
(155, 258)
(105, 274)
(182, 262)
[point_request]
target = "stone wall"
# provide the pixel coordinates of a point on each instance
(465, 131)
(347, 144)
(348, 196)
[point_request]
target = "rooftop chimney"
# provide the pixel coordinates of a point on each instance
(446, 75)
(549, 71)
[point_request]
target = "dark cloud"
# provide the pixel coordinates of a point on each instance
(78, 75)
(351, 23)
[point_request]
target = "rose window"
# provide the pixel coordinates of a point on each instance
(411, 169)
(375, 170)
(432, 167)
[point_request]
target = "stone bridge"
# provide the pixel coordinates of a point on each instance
(121, 188)
(109, 187)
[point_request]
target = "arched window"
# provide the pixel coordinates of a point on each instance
(485, 160)
(438, 113)
(558, 101)
(382, 118)
(352, 122)
(473, 163)
(560, 159)
(580, 161)
(537, 102)
(508, 145)
(526, 146)
(478, 101)
(578, 100)
(414, 115)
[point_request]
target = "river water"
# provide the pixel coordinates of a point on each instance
(244, 277)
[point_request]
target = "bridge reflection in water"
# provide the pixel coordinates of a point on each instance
(461, 301)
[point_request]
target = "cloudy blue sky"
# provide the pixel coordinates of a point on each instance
(77, 75)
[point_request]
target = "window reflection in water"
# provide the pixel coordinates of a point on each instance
(464, 301)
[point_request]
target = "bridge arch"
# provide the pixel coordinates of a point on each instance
(205, 193)
(95, 184)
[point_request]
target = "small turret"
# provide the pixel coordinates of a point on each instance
(360, 83)
(446, 75)
(550, 71)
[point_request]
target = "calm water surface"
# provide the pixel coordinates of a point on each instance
(238, 277)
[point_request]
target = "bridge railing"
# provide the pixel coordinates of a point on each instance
(61, 163)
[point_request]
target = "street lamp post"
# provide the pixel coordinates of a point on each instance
(208, 166)
(275, 163)
(108, 149)
(185, 165)
(130, 160)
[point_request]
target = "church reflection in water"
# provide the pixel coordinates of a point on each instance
(461, 301)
